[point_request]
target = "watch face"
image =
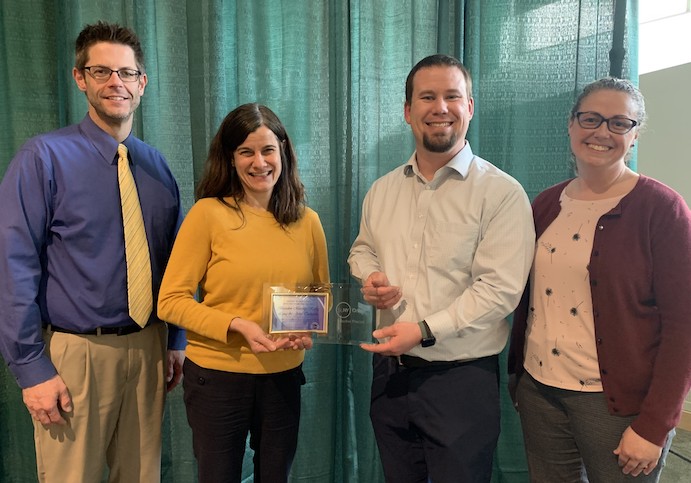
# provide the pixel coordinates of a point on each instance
(428, 342)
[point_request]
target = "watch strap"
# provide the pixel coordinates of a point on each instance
(424, 329)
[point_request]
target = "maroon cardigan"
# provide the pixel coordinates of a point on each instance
(640, 277)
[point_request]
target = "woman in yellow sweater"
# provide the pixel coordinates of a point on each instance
(249, 227)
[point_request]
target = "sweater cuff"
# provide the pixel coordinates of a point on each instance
(652, 431)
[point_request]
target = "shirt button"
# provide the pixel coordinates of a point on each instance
(600, 227)
(599, 341)
(201, 381)
(596, 253)
(604, 372)
(593, 283)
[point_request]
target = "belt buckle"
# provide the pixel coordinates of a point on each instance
(400, 362)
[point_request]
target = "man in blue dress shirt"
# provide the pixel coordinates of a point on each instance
(93, 380)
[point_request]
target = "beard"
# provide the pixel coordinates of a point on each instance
(439, 144)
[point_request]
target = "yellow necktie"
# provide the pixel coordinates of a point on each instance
(137, 258)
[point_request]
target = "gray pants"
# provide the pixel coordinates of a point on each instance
(569, 436)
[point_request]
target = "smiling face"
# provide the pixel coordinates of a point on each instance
(440, 111)
(112, 102)
(258, 164)
(601, 148)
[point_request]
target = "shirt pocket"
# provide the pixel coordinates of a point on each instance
(452, 245)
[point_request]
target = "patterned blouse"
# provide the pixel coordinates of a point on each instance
(560, 349)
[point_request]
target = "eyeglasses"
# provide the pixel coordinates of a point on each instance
(101, 73)
(616, 124)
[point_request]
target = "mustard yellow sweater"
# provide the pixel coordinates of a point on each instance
(230, 262)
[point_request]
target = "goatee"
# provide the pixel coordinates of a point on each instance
(439, 144)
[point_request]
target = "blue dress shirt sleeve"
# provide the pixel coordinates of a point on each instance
(25, 195)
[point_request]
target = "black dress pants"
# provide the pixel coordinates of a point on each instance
(223, 407)
(437, 423)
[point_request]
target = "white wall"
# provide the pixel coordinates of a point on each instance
(664, 147)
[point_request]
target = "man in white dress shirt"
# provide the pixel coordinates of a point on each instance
(445, 247)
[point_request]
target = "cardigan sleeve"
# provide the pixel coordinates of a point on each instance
(670, 251)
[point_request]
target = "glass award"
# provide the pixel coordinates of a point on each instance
(351, 319)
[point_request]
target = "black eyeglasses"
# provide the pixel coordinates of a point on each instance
(616, 124)
(101, 73)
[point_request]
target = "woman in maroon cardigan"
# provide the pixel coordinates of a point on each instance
(600, 342)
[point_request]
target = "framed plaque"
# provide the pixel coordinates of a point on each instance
(297, 311)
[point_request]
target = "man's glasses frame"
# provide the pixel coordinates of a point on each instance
(616, 124)
(102, 73)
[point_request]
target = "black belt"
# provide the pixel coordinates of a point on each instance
(412, 362)
(124, 330)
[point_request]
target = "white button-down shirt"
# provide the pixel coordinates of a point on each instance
(460, 247)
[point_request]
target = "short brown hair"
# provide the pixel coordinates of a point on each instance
(106, 32)
(437, 60)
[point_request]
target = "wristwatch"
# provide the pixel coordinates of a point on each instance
(428, 339)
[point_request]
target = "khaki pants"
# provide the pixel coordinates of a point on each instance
(117, 384)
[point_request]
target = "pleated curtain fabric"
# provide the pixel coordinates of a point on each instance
(334, 72)
(139, 295)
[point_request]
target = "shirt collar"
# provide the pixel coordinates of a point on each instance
(459, 163)
(101, 140)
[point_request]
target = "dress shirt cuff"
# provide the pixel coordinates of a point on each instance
(33, 373)
(441, 325)
(362, 270)
(177, 338)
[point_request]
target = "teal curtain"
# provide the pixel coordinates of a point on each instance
(334, 72)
